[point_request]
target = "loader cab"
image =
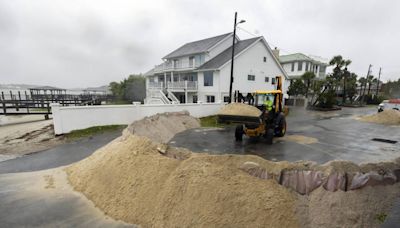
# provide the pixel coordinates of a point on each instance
(274, 95)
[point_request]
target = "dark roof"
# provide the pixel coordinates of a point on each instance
(46, 88)
(226, 55)
(199, 46)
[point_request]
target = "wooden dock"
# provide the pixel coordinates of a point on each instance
(17, 103)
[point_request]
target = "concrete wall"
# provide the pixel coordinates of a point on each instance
(67, 119)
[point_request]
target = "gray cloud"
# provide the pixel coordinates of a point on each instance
(89, 43)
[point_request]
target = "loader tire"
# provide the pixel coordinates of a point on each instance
(281, 129)
(269, 135)
(239, 133)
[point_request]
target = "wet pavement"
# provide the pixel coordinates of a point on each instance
(27, 200)
(340, 136)
(61, 155)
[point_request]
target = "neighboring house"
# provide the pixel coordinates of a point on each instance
(297, 64)
(200, 71)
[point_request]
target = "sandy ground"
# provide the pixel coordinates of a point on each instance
(20, 135)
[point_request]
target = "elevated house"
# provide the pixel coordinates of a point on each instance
(297, 64)
(199, 71)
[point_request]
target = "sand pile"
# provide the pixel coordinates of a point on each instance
(162, 127)
(239, 109)
(386, 117)
(139, 180)
(130, 180)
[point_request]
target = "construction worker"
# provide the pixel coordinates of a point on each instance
(268, 103)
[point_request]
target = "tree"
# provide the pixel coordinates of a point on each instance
(297, 87)
(130, 89)
(340, 74)
(363, 84)
(370, 80)
(308, 77)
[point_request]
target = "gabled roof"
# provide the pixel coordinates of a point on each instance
(226, 55)
(196, 47)
(294, 57)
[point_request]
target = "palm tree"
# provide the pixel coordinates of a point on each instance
(345, 76)
(363, 83)
(370, 79)
(308, 77)
(338, 73)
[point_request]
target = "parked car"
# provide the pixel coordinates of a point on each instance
(389, 104)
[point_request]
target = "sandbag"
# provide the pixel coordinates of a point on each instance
(336, 181)
(301, 181)
(372, 178)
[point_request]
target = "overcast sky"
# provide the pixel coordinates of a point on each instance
(76, 43)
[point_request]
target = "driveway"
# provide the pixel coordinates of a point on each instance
(334, 135)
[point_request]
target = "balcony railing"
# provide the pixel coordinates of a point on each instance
(188, 85)
(179, 65)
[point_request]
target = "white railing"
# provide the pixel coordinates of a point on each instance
(173, 97)
(180, 65)
(182, 85)
(155, 85)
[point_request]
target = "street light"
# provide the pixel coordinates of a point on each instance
(233, 55)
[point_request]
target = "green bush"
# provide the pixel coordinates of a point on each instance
(327, 100)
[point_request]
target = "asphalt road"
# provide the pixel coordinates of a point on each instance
(340, 136)
(25, 201)
(61, 155)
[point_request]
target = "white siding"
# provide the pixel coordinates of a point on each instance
(251, 62)
(204, 91)
(219, 48)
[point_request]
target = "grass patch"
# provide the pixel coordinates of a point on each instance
(381, 217)
(211, 121)
(93, 131)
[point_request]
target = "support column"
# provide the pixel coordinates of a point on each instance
(165, 79)
(186, 94)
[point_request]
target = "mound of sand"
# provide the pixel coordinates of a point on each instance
(386, 117)
(239, 109)
(162, 127)
(301, 139)
(131, 181)
(139, 180)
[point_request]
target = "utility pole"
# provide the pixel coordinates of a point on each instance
(233, 55)
(369, 71)
(379, 78)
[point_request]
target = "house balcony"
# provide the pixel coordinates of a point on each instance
(180, 65)
(173, 86)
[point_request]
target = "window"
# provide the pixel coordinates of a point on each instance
(208, 78)
(151, 79)
(210, 99)
(176, 62)
(251, 77)
(176, 78)
(292, 66)
(266, 79)
(226, 98)
(273, 81)
(194, 98)
(307, 66)
(300, 66)
(265, 59)
(191, 61)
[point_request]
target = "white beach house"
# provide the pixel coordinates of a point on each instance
(200, 71)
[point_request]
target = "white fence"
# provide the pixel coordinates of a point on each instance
(67, 119)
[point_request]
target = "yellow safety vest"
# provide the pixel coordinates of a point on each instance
(268, 105)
